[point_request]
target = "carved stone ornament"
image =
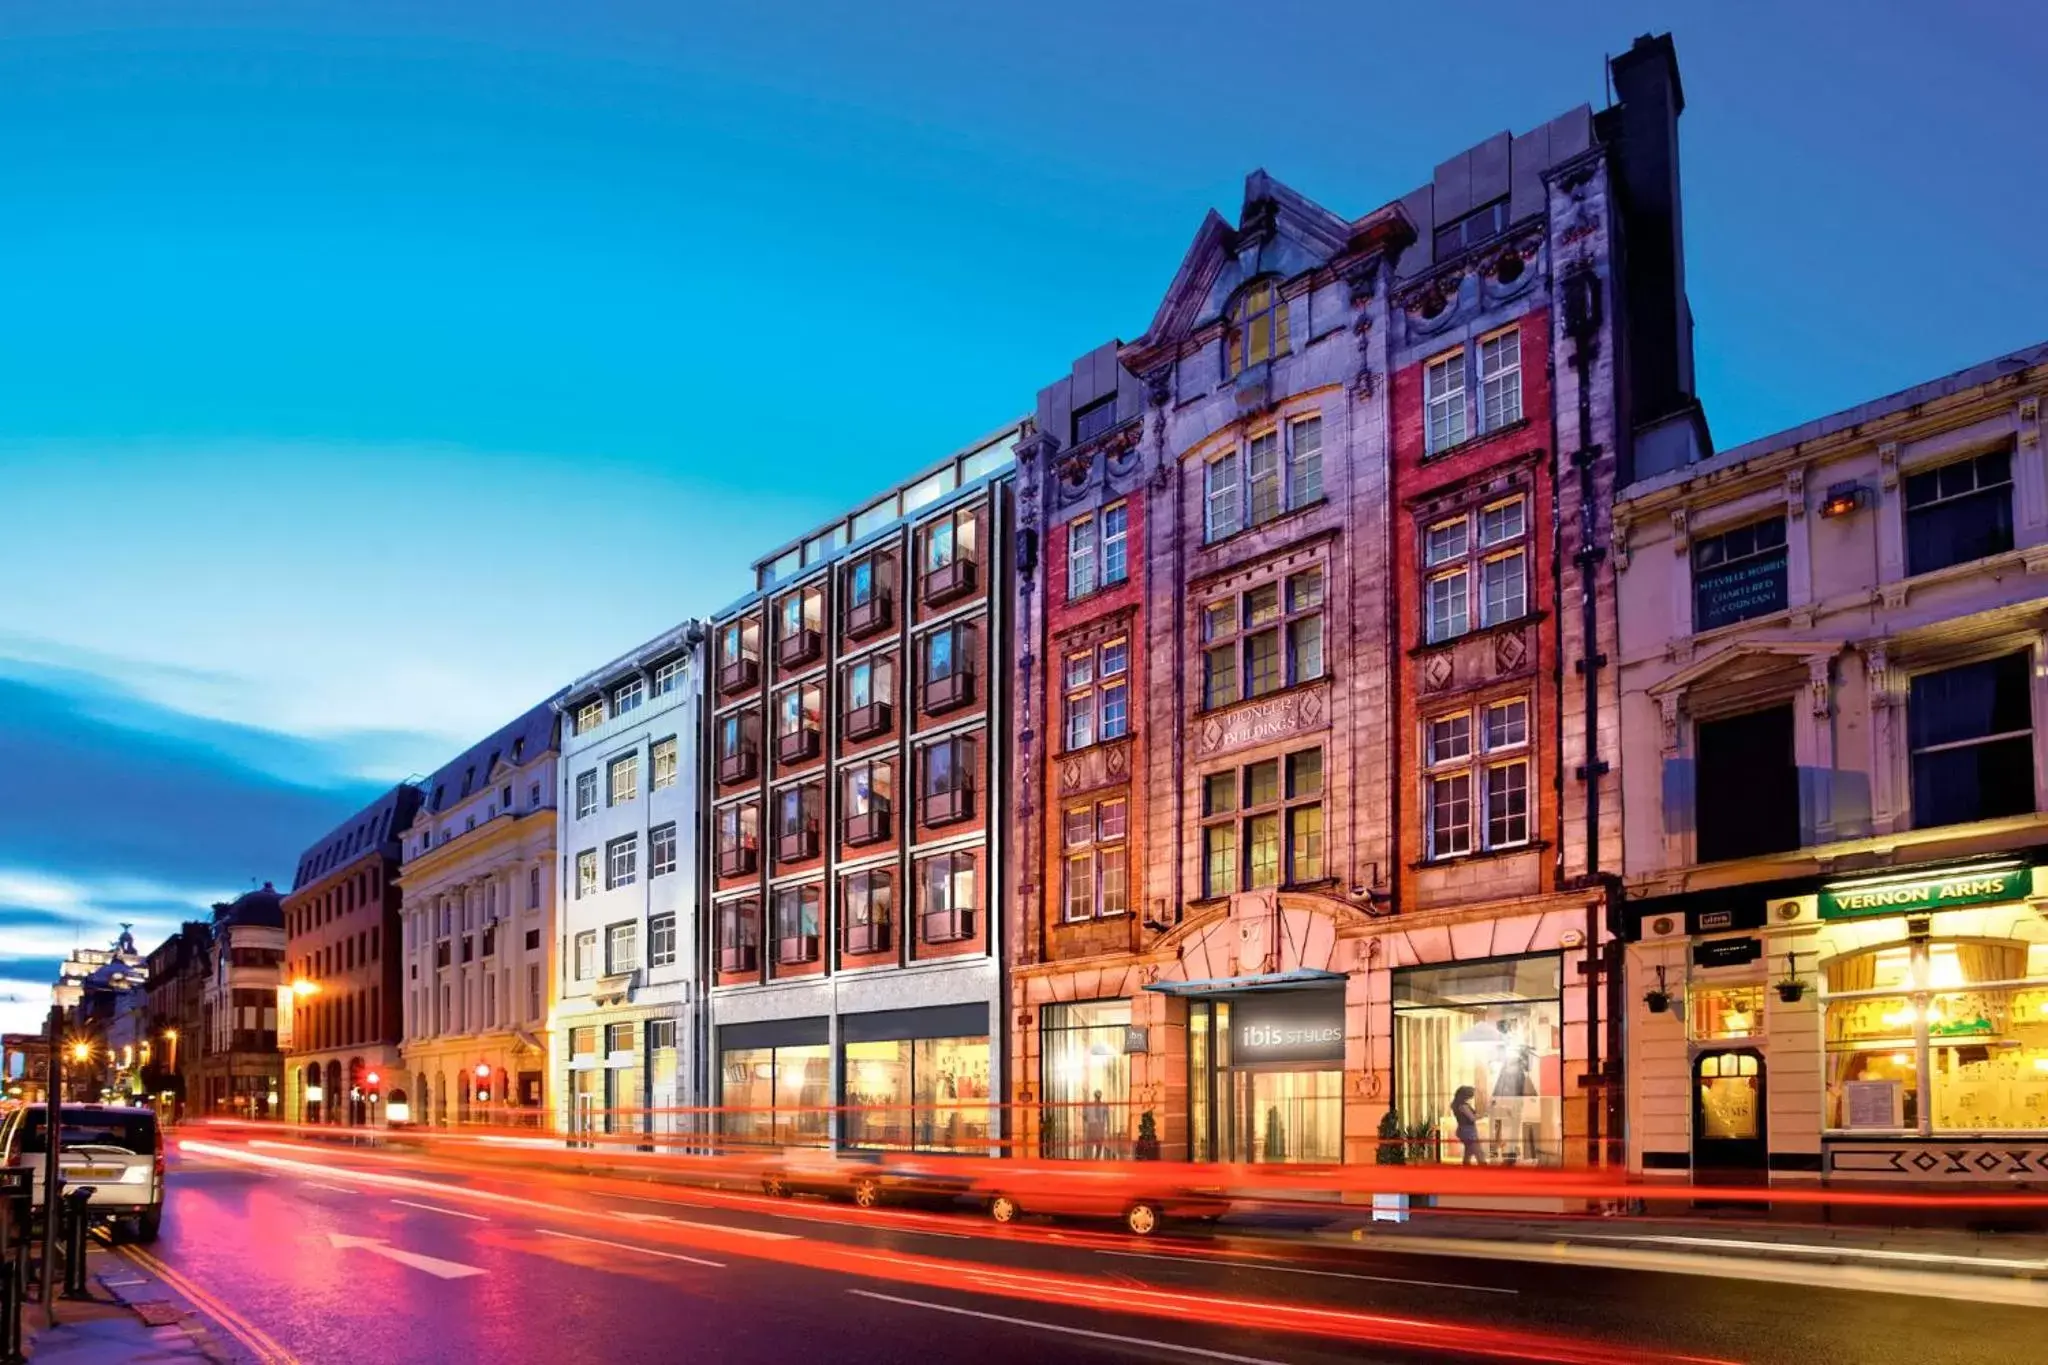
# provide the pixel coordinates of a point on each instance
(1121, 442)
(1361, 281)
(1668, 722)
(2030, 422)
(1437, 672)
(1893, 595)
(1680, 536)
(1622, 526)
(1510, 651)
(1877, 668)
(1364, 382)
(1795, 493)
(1159, 386)
(1888, 466)
(1819, 686)
(1301, 711)
(1099, 765)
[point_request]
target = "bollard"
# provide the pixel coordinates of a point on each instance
(75, 1201)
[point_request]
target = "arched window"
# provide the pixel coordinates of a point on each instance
(1258, 325)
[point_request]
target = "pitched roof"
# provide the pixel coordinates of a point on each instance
(518, 741)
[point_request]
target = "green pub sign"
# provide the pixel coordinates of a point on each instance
(1944, 891)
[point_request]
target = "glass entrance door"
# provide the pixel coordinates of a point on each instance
(1287, 1116)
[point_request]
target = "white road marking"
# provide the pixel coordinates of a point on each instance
(332, 1189)
(673, 1221)
(120, 1284)
(433, 1265)
(436, 1208)
(1300, 1270)
(1149, 1344)
(628, 1246)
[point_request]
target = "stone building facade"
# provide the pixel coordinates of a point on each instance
(479, 889)
(1832, 667)
(628, 1016)
(1346, 855)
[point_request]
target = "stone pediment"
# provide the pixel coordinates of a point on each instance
(1743, 660)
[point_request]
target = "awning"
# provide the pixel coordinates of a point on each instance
(1293, 980)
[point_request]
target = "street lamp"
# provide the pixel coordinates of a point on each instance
(303, 987)
(81, 1051)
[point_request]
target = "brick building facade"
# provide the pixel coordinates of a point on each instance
(1355, 847)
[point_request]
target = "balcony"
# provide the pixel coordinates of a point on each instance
(738, 766)
(797, 949)
(797, 648)
(737, 957)
(865, 722)
(798, 746)
(869, 827)
(949, 806)
(948, 926)
(797, 845)
(738, 676)
(872, 937)
(953, 579)
(738, 860)
(949, 693)
(866, 618)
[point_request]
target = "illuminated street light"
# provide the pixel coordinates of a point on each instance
(81, 1052)
(170, 1035)
(303, 987)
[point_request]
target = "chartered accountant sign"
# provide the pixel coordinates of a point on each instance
(1907, 895)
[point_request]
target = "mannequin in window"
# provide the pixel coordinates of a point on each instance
(1513, 1090)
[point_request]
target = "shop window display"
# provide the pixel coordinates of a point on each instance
(1085, 1080)
(1725, 1011)
(926, 1094)
(1935, 1036)
(1496, 1027)
(776, 1096)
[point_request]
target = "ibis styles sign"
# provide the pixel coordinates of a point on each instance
(1900, 896)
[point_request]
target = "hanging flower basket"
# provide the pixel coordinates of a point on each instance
(1791, 991)
(1658, 1001)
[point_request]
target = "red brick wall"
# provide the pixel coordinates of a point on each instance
(1416, 479)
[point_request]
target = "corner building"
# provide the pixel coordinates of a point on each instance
(1832, 663)
(858, 792)
(627, 1018)
(1309, 832)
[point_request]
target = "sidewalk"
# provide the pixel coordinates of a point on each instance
(108, 1329)
(1950, 1251)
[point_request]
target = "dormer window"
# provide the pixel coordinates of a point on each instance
(1091, 421)
(1258, 326)
(590, 715)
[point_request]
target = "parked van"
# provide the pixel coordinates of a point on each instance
(118, 1150)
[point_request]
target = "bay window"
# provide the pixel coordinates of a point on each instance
(866, 900)
(946, 896)
(796, 924)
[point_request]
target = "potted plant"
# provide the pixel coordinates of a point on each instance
(1147, 1146)
(1791, 988)
(1658, 999)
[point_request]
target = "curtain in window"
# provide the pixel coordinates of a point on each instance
(1991, 961)
(1855, 973)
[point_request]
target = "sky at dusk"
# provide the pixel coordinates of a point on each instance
(371, 369)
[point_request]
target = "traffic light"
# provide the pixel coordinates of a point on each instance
(357, 1076)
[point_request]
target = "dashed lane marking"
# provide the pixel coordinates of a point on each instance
(628, 1246)
(1173, 1348)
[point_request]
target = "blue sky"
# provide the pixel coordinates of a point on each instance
(371, 368)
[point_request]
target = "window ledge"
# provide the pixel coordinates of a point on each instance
(1124, 738)
(1107, 916)
(1527, 618)
(1473, 442)
(1279, 517)
(1481, 855)
(1098, 590)
(1304, 685)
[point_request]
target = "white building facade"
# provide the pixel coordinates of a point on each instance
(478, 882)
(626, 1025)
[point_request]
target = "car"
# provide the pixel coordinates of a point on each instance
(1141, 1197)
(867, 1178)
(117, 1150)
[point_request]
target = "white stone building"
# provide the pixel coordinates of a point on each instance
(626, 1024)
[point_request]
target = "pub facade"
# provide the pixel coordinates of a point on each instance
(1831, 667)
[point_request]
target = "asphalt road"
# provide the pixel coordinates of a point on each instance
(355, 1256)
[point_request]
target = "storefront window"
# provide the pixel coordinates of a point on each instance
(1266, 1077)
(1085, 1080)
(1494, 1027)
(1938, 1036)
(1725, 1011)
(776, 1096)
(927, 1094)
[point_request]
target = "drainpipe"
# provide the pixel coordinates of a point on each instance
(1582, 321)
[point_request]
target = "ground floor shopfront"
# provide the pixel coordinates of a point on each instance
(898, 1059)
(498, 1078)
(351, 1086)
(1891, 1026)
(1296, 1029)
(627, 1067)
(244, 1084)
